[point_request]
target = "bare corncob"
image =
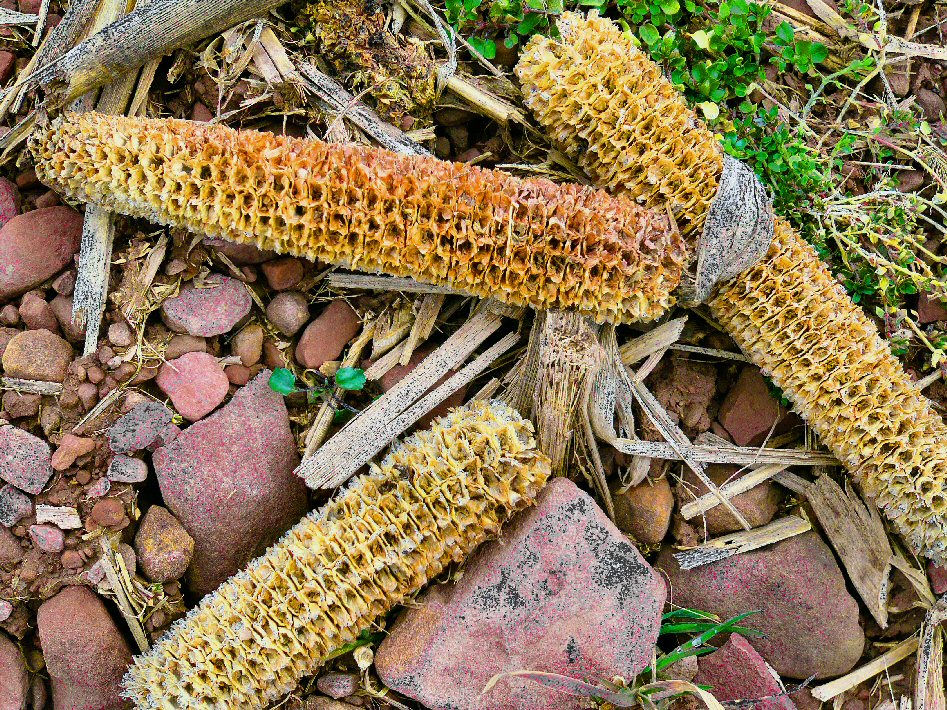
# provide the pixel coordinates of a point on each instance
(433, 500)
(526, 242)
(610, 109)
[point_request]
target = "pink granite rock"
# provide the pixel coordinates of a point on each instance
(14, 680)
(34, 246)
(25, 460)
(48, 538)
(563, 591)
(86, 655)
(750, 411)
(9, 198)
(196, 384)
(229, 480)
(140, 427)
(239, 254)
(327, 335)
(738, 672)
(211, 310)
(800, 592)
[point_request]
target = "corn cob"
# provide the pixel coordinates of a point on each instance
(432, 500)
(610, 108)
(525, 242)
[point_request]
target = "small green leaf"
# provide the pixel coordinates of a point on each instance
(785, 32)
(819, 53)
(670, 7)
(649, 34)
(709, 109)
(282, 381)
(350, 378)
(702, 39)
(486, 47)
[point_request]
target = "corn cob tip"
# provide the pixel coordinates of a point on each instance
(433, 499)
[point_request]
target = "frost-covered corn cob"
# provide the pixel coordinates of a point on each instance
(610, 108)
(433, 500)
(526, 242)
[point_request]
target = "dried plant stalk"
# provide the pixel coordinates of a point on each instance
(526, 242)
(611, 110)
(434, 498)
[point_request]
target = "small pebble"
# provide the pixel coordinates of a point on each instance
(108, 512)
(37, 314)
(164, 547)
(125, 469)
(120, 335)
(71, 448)
(61, 306)
(326, 337)
(65, 283)
(283, 273)
(9, 315)
(72, 559)
(181, 344)
(88, 395)
(196, 384)
(337, 685)
(248, 344)
(238, 374)
(20, 405)
(100, 488)
(6, 608)
(288, 312)
(48, 538)
(37, 355)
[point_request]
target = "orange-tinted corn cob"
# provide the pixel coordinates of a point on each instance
(433, 500)
(526, 242)
(610, 108)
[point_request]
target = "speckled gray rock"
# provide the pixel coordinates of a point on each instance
(25, 460)
(563, 591)
(14, 505)
(125, 469)
(140, 428)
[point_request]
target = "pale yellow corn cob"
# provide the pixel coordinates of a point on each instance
(433, 500)
(610, 108)
(526, 242)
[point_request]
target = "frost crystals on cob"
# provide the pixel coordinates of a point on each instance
(433, 500)
(610, 109)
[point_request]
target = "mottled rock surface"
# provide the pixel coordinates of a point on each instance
(25, 460)
(213, 309)
(563, 591)
(738, 672)
(229, 480)
(85, 653)
(34, 246)
(808, 618)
